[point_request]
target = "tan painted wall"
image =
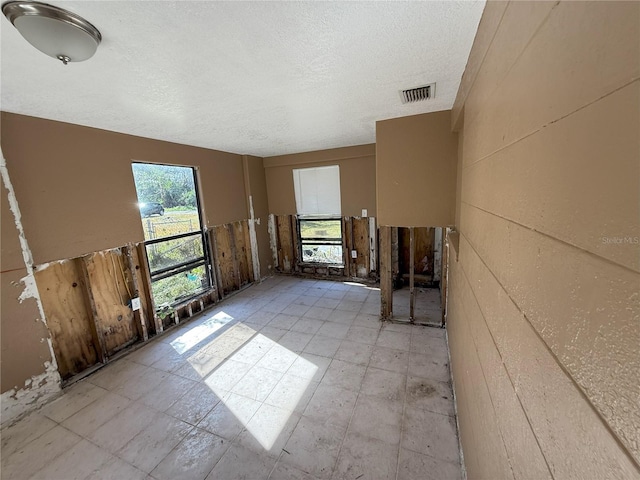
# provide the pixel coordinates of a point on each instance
(357, 178)
(544, 311)
(23, 353)
(416, 160)
(256, 186)
(75, 186)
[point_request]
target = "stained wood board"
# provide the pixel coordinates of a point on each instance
(286, 257)
(225, 258)
(386, 273)
(74, 345)
(361, 245)
(110, 293)
(240, 232)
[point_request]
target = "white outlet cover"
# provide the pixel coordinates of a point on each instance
(364, 212)
(354, 254)
(135, 303)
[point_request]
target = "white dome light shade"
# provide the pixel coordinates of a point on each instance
(56, 32)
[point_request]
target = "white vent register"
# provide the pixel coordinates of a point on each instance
(418, 94)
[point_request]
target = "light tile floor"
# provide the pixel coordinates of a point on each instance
(289, 379)
(426, 305)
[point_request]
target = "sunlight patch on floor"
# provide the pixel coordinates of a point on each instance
(231, 356)
(201, 332)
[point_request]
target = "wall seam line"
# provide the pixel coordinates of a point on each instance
(547, 235)
(621, 444)
(586, 105)
(487, 383)
(506, 370)
(463, 101)
(524, 49)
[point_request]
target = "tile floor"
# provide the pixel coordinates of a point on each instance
(426, 305)
(290, 379)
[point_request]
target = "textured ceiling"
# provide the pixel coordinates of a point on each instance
(261, 78)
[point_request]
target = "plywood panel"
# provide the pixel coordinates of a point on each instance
(361, 246)
(69, 322)
(243, 252)
(286, 256)
(347, 247)
(386, 278)
(110, 292)
(225, 259)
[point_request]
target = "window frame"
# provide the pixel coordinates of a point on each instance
(332, 241)
(181, 267)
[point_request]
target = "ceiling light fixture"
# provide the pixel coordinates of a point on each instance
(57, 32)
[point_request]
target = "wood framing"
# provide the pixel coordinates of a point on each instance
(386, 278)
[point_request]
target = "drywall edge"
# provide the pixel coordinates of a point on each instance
(39, 388)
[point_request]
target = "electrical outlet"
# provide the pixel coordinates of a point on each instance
(354, 254)
(364, 212)
(135, 303)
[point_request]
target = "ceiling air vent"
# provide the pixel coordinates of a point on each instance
(419, 93)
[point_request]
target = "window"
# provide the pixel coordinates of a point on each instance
(318, 204)
(317, 190)
(320, 240)
(174, 239)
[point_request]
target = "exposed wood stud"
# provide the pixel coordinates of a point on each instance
(395, 257)
(286, 254)
(386, 278)
(248, 252)
(373, 263)
(97, 330)
(213, 235)
(138, 314)
(444, 280)
(295, 248)
(234, 254)
(412, 294)
(144, 266)
(346, 246)
(353, 262)
(273, 239)
(360, 229)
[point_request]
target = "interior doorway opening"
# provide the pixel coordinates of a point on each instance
(413, 288)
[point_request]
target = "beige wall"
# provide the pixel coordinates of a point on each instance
(23, 349)
(416, 160)
(75, 186)
(543, 318)
(357, 178)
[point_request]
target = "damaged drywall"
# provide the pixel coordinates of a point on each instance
(254, 241)
(45, 385)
